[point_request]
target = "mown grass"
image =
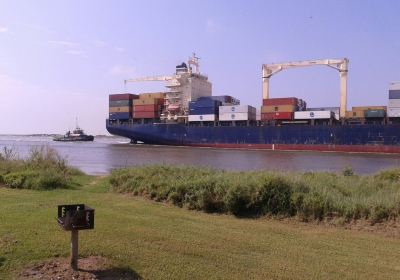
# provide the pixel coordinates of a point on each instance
(159, 241)
(309, 196)
(44, 168)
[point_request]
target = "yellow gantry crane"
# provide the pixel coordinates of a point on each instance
(268, 70)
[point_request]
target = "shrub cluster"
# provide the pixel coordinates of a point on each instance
(310, 196)
(44, 168)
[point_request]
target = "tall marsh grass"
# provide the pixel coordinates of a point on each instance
(44, 168)
(309, 196)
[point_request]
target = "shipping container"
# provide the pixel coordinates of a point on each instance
(335, 110)
(394, 94)
(355, 114)
(146, 115)
(281, 108)
(394, 112)
(277, 116)
(119, 116)
(363, 108)
(203, 110)
(120, 103)
(307, 115)
(147, 108)
(394, 86)
(124, 109)
(204, 103)
(394, 103)
(152, 95)
(375, 113)
(202, 118)
(122, 96)
(237, 108)
(225, 99)
(280, 101)
(236, 116)
(148, 101)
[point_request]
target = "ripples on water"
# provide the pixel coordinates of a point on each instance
(107, 153)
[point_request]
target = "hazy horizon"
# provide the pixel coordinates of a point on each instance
(59, 60)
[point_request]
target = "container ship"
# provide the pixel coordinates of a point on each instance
(187, 114)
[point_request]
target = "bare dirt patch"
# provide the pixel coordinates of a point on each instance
(93, 267)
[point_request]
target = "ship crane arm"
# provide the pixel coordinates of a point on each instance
(268, 70)
(150, 79)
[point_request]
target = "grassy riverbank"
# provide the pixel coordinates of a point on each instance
(161, 241)
(309, 196)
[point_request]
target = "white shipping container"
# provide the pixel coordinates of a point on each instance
(394, 103)
(307, 115)
(335, 110)
(393, 112)
(237, 109)
(394, 86)
(202, 118)
(237, 116)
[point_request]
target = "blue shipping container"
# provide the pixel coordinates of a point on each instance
(394, 94)
(119, 116)
(204, 103)
(203, 110)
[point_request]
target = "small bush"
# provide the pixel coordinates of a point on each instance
(44, 168)
(380, 213)
(348, 171)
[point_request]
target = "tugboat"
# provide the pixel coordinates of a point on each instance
(76, 135)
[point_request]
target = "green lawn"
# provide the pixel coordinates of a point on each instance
(160, 241)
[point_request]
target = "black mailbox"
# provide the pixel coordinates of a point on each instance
(75, 217)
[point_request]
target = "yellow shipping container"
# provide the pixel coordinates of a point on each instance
(364, 108)
(355, 114)
(281, 108)
(124, 109)
(148, 101)
(152, 95)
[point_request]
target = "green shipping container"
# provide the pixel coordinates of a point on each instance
(374, 113)
(120, 103)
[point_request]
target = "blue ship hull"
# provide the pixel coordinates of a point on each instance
(346, 138)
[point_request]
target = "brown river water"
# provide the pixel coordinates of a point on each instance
(107, 153)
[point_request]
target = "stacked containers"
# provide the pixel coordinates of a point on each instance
(237, 113)
(204, 109)
(120, 106)
(279, 108)
(394, 101)
(225, 99)
(148, 106)
(361, 112)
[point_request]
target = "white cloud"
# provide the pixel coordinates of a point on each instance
(119, 49)
(64, 43)
(3, 29)
(122, 71)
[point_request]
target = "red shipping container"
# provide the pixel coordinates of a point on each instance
(122, 96)
(280, 101)
(146, 108)
(277, 116)
(146, 115)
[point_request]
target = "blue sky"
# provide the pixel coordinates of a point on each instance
(60, 59)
